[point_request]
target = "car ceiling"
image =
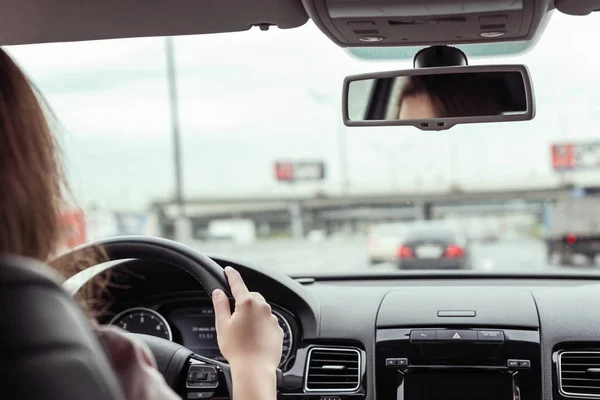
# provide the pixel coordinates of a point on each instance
(402, 22)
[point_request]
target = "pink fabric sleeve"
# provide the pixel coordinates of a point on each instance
(134, 366)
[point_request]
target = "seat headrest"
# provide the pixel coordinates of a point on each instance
(47, 347)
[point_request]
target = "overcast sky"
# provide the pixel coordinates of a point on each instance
(250, 98)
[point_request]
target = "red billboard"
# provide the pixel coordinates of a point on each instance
(563, 156)
(74, 233)
(284, 171)
(570, 156)
(292, 171)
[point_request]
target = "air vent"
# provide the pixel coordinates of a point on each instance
(332, 369)
(579, 374)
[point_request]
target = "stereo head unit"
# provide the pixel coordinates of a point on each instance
(457, 364)
(435, 384)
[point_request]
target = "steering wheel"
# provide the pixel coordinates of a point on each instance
(191, 375)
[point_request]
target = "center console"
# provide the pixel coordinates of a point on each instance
(458, 364)
(468, 348)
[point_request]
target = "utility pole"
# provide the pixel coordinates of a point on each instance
(175, 131)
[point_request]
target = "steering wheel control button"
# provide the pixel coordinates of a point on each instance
(490, 336)
(423, 336)
(200, 395)
(202, 377)
(449, 335)
(518, 364)
(524, 364)
(396, 362)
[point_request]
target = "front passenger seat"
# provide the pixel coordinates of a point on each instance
(47, 348)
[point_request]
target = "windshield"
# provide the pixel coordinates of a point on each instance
(234, 144)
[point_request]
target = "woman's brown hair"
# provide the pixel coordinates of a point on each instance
(32, 184)
(31, 177)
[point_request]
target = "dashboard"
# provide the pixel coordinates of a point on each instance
(444, 336)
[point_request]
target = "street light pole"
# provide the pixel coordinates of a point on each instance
(174, 113)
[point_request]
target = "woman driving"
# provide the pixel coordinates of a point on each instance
(32, 194)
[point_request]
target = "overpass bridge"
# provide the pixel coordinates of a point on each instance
(224, 205)
(303, 213)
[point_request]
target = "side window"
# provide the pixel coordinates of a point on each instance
(360, 92)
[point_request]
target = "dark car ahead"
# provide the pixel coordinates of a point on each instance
(435, 247)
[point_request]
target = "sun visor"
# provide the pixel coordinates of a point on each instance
(577, 7)
(43, 21)
(372, 23)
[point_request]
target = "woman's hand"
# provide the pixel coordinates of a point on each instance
(249, 338)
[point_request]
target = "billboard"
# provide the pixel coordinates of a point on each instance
(293, 171)
(573, 156)
(74, 230)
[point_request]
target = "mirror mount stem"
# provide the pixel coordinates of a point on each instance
(439, 56)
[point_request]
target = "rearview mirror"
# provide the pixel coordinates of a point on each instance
(439, 98)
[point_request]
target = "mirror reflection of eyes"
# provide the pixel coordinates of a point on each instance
(444, 95)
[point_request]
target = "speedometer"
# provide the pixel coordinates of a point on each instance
(199, 334)
(145, 321)
(287, 338)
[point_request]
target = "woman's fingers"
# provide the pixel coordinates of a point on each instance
(237, 285)
(222, 308)
(243, 297)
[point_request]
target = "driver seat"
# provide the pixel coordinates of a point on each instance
(47, 348)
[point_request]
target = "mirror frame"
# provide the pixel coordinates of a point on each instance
(439, 124)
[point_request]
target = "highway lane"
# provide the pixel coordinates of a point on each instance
(350, 254)
(510, 254)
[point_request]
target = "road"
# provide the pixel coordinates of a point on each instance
(341, 255)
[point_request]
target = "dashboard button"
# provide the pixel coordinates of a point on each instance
(456, 335)
(512, 363)
(490, 336)
(423, 336)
